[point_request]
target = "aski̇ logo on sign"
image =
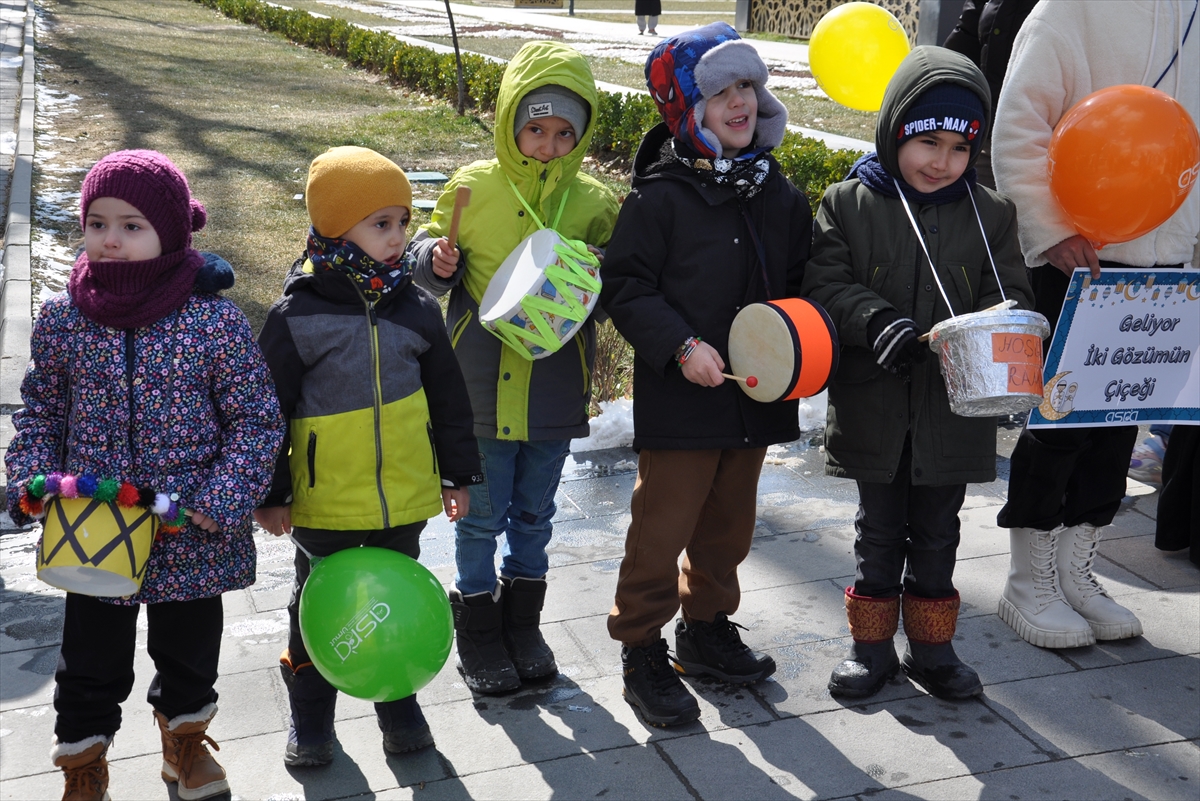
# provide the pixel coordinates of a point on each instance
(361, 626)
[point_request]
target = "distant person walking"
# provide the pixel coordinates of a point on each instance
(647, 8)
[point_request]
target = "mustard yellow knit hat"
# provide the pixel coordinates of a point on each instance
(348, 184)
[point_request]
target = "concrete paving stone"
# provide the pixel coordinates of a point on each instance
(1163, 569)
(588, 540)
(1132, 519)
(601, 497)
(634, 772)
(16, 261)
(798, 558)
(579, 590)
(849, 751)
(1105, 709)
(994, 650)
(1163, 772)
(1144, 505)
(1171, 621)
(28, 679)
(796, 613)
(801, 514)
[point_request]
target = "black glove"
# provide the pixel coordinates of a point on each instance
(894, 340)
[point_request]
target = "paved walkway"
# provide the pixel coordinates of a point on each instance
(1113, 721)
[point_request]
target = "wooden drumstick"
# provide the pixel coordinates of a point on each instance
(749, 380)
(1004, 304)
(462, 199)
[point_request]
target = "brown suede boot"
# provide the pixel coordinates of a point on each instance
(186, 760)
(85, 766)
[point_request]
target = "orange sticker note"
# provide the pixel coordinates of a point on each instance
(1025, 378)
(1020, 348)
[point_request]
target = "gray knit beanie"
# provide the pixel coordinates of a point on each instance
(553, 100)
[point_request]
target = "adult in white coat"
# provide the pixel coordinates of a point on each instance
(1066, 484)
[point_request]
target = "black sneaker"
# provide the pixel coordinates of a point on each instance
(716, 649)
(653, 687)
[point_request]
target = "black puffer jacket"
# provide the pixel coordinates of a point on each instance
(682, 263)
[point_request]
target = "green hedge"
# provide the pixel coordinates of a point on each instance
(621, 120)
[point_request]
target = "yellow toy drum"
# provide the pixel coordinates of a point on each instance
(95, 548)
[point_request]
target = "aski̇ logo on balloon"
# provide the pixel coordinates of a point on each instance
(366, 619)
(1188, 177)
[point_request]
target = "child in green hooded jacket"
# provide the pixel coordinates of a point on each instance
(526, 410)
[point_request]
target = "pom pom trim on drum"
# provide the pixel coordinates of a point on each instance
(790, 345)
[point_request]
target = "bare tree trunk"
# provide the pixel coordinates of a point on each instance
(462, 88)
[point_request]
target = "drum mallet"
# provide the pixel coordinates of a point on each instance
(749, 380)
(462, 199)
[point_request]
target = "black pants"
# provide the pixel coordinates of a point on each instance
(322, 542)
(95, 666)
(1178, 520)
(1066, 476)
(906, 536)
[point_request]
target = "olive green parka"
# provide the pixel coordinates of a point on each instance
(866, 258)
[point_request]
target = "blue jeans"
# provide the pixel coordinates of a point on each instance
(516, 499)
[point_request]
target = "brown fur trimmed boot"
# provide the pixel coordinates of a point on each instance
(930, 660)
(872, 660)
(85, 767)
(186, 760)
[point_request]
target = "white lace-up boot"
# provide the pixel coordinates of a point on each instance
(1076, 553)
(1032, 602)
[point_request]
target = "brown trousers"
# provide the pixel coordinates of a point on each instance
(701, 504)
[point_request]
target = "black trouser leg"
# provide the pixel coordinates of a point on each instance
(321, 542)
(184, 640)
(95, 667)
(907, 536)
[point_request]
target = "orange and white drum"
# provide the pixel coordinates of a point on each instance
(788, 345)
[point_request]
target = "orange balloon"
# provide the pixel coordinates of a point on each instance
(1122, 160)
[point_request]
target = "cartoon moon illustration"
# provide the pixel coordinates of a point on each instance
(1049, 407)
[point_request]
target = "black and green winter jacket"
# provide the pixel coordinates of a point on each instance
(377, 409)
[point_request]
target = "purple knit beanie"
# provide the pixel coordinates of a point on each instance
(148, 181)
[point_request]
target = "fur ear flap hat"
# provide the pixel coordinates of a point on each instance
(683, 72)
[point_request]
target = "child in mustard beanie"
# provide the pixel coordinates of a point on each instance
(365, 373)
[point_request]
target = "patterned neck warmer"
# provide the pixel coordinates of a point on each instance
(133, 294)
(346, 257)
(747, 173)
(875, 177)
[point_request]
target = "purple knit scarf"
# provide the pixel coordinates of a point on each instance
(134, 294)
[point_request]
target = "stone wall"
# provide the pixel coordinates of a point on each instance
(799, 17)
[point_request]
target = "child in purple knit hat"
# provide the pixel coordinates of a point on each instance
(146, 393)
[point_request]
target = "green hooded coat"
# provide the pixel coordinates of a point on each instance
(866, 258)
(513, 398)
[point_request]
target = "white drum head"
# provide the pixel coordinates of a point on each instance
(88, 581)
(761, 345)
(522, 272)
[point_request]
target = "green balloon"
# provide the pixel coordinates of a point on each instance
(376, 623)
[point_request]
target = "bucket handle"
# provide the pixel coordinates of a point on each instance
(920, 238)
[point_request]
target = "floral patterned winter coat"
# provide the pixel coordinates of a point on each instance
(185, 405)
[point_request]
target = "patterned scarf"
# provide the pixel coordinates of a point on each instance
(747, 173)
(346, 257)
(872, 174)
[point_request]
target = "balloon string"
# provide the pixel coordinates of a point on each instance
(986, 245)
(921, 239)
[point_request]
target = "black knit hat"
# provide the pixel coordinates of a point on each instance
(945, 107)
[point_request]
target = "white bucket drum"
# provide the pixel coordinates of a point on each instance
(541, 294)
(991, 360)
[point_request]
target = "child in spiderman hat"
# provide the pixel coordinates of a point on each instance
(710, 225)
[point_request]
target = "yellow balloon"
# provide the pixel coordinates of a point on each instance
(853, 53)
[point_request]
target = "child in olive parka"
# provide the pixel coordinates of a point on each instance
(889, 425)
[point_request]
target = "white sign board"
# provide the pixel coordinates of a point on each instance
(1126, 351)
